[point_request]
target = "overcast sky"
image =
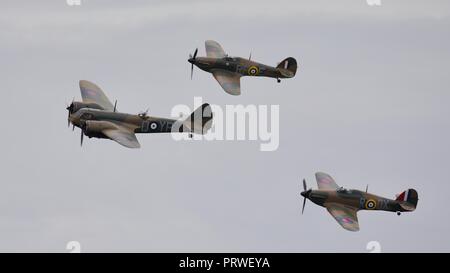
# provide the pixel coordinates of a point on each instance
(369, 105)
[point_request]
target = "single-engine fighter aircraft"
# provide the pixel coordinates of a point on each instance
(343, 204)
(97, 117)
(229, 70)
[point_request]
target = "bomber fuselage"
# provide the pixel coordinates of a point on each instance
(138, 123)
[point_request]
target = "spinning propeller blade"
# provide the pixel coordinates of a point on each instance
(83, 130)
(304, 197)
(193, 60)
(304, 203)
(69, 110)
(195, 53)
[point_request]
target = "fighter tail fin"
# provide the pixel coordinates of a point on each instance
(408, 199)
(200, 121)
(288, 67)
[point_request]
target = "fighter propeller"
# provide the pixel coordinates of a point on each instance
(305, 193)
(192, 60)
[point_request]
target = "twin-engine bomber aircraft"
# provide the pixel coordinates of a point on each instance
(229, 70)
(97, 117)
(343, 204)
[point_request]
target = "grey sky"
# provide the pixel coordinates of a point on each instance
(369, 105)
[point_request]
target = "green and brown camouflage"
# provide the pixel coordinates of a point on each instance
(228, 70)
(96, 117)
(344, 203)
(245, 67)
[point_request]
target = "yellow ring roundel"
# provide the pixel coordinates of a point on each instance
(253, 70)
(371, 204)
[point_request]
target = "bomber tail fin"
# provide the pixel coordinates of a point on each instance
(200, 121)
(408, 199)
(288, 67)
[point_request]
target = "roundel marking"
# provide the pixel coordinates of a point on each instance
(253, 70)
(345, 219)
(371, 204)
(153, 125)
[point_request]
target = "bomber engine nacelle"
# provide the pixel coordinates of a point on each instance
(94, 127)
(77, 105)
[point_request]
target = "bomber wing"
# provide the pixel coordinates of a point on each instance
(230, 82)
(214, 50)
(91, 93)
(325, 182)
(122, 135)
(345, 216)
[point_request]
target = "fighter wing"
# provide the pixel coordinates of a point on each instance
(91, 93)
(230, 82)
(345, 216)
(214, 50)
(325, 182)
(122, 135)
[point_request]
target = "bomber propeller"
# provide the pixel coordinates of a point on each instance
(70, 111)
(83, 130)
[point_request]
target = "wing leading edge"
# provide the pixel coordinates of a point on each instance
(214, 50)
(345, 216)
(230, 82)
(91, 93)
(325, 182)
(120, 134)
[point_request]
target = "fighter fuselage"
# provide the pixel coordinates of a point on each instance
(353, 198)
(238, 65)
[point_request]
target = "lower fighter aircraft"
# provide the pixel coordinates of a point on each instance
(97, 117)
(343, 204)
(229, 70)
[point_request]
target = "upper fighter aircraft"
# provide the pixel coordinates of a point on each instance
(343, 204)
(98, 117)
(229, 70)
